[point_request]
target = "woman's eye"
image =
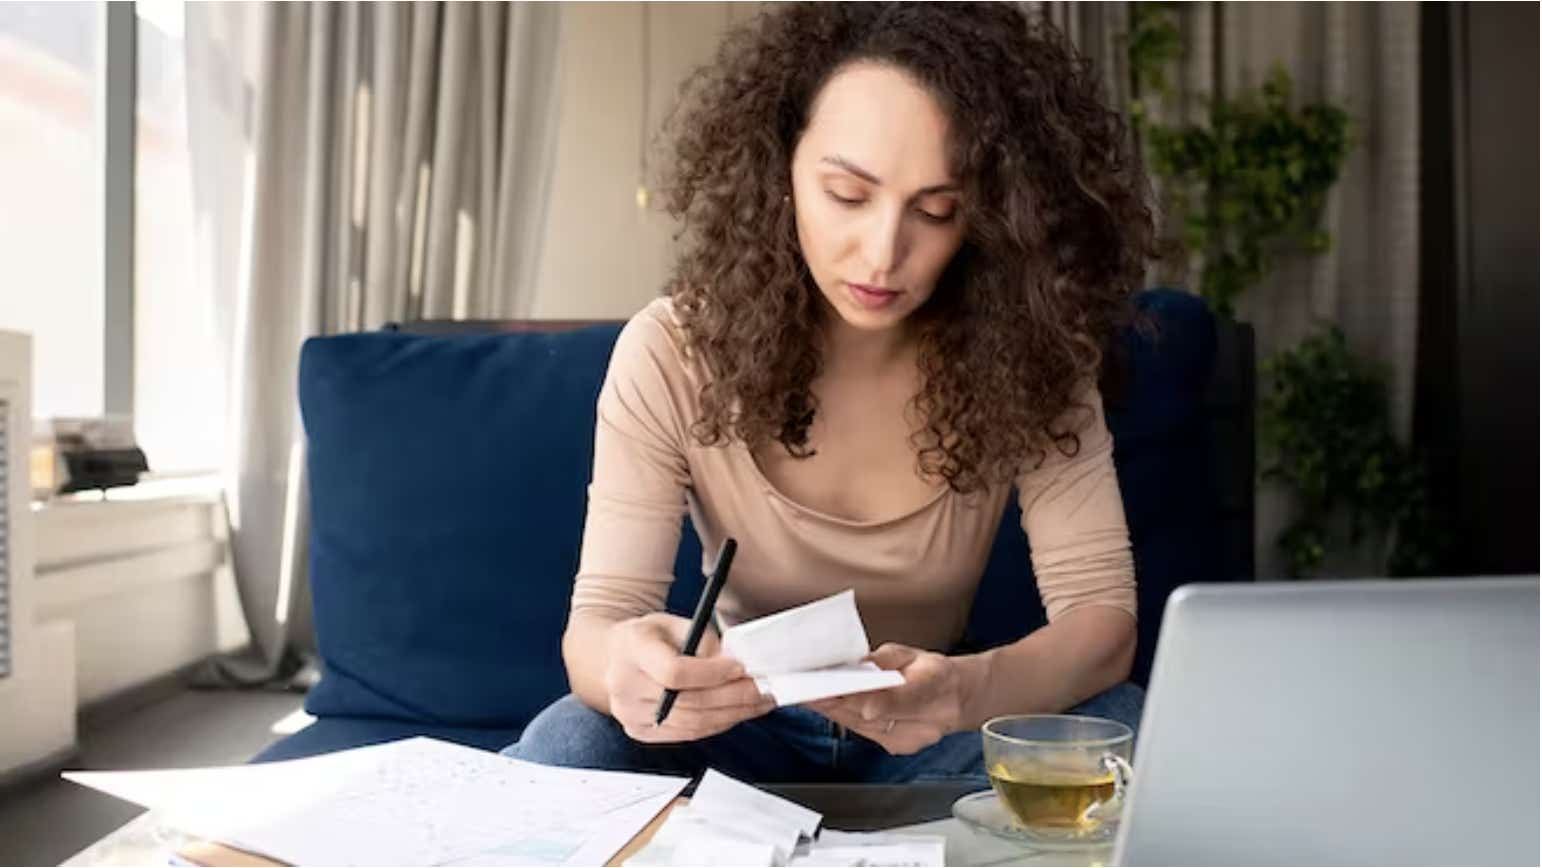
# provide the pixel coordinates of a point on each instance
(928, 216)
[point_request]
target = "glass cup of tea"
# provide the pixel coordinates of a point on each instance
(1062, 778)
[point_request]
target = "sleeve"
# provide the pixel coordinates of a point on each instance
(637, 496)
(1074, 517)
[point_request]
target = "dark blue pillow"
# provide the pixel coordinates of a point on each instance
(448, 478)
(1162, 454)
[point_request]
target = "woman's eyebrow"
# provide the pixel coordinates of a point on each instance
(848, 166)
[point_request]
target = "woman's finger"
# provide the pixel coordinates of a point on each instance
(705, 722)
(730, 695)
(686, 724)
(668, 668)
(734, 693)
(891, 655)
(852, 720)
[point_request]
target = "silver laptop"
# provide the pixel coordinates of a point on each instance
(1343, 723)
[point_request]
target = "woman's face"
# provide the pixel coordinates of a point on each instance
(877, 205)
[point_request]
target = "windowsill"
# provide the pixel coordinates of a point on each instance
(204, 486)
(162, 530)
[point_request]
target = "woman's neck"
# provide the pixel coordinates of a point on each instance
(855, 352)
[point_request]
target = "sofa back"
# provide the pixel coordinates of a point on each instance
(448, 471)
(447, 481)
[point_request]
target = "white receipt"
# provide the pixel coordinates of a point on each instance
(729, 823)
(719, 794)
(872, 848)
(689, 836)
(792, 688)
(809, 652)
(710, 852)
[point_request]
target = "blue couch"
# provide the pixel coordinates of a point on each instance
(448, 478)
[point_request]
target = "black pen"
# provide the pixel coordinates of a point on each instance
(704, 607)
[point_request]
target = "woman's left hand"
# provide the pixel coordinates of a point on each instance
(930, 704)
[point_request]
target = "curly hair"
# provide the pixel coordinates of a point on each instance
(1057, 230)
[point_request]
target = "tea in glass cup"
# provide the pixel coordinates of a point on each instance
(1061, 777)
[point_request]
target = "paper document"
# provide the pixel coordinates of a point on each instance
(689, 837)
(872, 848)
(791, 688)
(809, 652)
(719, 794)
(412, 802)
(731, 823)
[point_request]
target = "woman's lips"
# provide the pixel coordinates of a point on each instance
(872, 297)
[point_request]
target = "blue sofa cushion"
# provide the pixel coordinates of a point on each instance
(448, 479)
(1161, 451)
(329, 734)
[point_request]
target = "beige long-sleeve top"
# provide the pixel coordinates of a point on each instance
(914, 575)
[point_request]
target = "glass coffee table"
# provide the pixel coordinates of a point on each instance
(926, 809)
(921, 809)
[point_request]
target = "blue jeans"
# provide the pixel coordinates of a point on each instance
(789, 745)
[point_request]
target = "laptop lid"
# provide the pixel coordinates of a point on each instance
(1377, 722)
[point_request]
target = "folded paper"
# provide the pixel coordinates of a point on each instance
(809, 652)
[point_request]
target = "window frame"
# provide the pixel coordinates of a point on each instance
(118, 89)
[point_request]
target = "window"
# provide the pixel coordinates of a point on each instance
(51, 238)
(79, 179)
(178, 376)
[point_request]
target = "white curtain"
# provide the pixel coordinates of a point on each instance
(1364, 57)
(355, 164)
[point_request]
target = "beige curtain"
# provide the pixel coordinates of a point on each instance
(393, 164)
(1364, 56)
(1097, 29)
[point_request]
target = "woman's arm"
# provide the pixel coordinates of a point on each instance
(635, 504)
(622, 651)
(1080, 655)
(586, 653)
(1073, 513)
(1074, 517)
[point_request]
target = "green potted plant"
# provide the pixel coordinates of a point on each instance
(1323, 423)
(1243, 188)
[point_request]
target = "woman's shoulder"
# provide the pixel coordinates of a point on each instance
(658, 321)
(652, 346)
(1080, 435)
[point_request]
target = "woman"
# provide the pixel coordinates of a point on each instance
(909, 230)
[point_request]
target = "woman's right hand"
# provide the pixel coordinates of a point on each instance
(644, 659)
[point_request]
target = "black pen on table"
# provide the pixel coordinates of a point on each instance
(704, 607)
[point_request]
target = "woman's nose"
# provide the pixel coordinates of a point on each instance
(883, 244)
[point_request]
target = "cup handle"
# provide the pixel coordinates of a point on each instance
(1099, 812)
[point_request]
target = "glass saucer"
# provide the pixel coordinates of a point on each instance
(983, 811)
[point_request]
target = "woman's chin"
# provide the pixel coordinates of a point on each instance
(867, 319)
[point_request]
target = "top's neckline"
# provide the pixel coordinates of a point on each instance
(864, 524)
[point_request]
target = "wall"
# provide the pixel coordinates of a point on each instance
(603, 256)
